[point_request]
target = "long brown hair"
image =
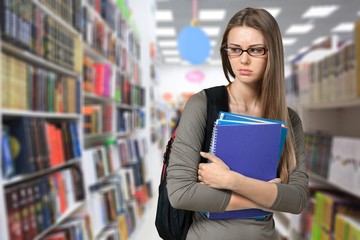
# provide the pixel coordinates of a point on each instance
(273, 100)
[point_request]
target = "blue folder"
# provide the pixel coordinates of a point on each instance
(244, 118)
(251, 147)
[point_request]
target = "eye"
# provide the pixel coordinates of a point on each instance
(256, 50)
(235, 50)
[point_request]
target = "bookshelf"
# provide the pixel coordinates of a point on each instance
(28, 72)
(327, 97)
(71, 69)
(113, 115)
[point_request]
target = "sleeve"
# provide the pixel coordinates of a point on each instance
(184, 190)
(292, 197)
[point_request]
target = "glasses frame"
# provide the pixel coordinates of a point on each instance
(245, 50)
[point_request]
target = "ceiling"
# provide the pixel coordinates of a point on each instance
(291, 13)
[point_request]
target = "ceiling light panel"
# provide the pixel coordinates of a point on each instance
(289, 41)
(164, 16)
(344, 27)
(299, 29)
(320, 11)
(165, 32)
(170, 52)
(212, 31)
(172, 60)
(167, 43)
(211, 15)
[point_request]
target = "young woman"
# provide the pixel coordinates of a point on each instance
(252, 60)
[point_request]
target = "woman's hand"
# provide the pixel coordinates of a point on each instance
(215, 174)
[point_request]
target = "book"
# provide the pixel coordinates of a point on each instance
(19, 132)
(251, 119)
(249, 146)
(8, 168)
(13, 213)
(38, 202)
(123, 227)
(69, 187)
(24, 212)
(56, 236)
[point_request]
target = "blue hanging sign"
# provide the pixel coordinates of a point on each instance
(194, 45)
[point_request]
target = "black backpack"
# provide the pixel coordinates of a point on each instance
(171, 223)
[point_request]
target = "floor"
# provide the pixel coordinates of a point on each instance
(146, 229)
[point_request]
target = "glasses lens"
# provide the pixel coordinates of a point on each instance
(256, 51)
(235, 52)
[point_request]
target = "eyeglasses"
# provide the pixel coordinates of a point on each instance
(253, 51)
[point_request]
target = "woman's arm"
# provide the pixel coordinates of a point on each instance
(255, 193)
(289, 197)
(184, 189)
(292, 197)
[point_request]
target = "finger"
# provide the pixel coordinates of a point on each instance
(201, 165)
(209, 156)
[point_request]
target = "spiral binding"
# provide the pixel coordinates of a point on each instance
(213, 139)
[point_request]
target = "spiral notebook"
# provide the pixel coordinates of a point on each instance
(250, 119)
(250, 147)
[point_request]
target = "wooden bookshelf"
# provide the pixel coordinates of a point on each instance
(121, 54)
(333, 105)
(68, 213)
(328, 102)
(24, 178)
(9, 112)
(55, 16)
(316, 178)
(112, 97)
(28, 56)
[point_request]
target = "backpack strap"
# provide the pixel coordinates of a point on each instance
(217, 100)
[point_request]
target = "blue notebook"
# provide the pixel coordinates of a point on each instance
(251, 148)
(239, 117)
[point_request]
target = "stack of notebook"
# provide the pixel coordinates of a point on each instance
(251, 146)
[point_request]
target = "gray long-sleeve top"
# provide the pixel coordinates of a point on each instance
(186, 192)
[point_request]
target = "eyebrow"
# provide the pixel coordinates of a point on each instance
(253, 45)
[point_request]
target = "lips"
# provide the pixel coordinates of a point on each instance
(245, 71)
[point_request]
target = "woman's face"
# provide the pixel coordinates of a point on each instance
(248, 69)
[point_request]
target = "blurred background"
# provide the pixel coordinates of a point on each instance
(92, 89)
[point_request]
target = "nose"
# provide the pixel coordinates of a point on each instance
(245, 58)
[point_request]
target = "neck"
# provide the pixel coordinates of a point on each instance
(244, 102)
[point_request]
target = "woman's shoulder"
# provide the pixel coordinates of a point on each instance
(200, 98)
(195, 104)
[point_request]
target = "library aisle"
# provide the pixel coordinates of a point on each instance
(146, 229)
(89, 92)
